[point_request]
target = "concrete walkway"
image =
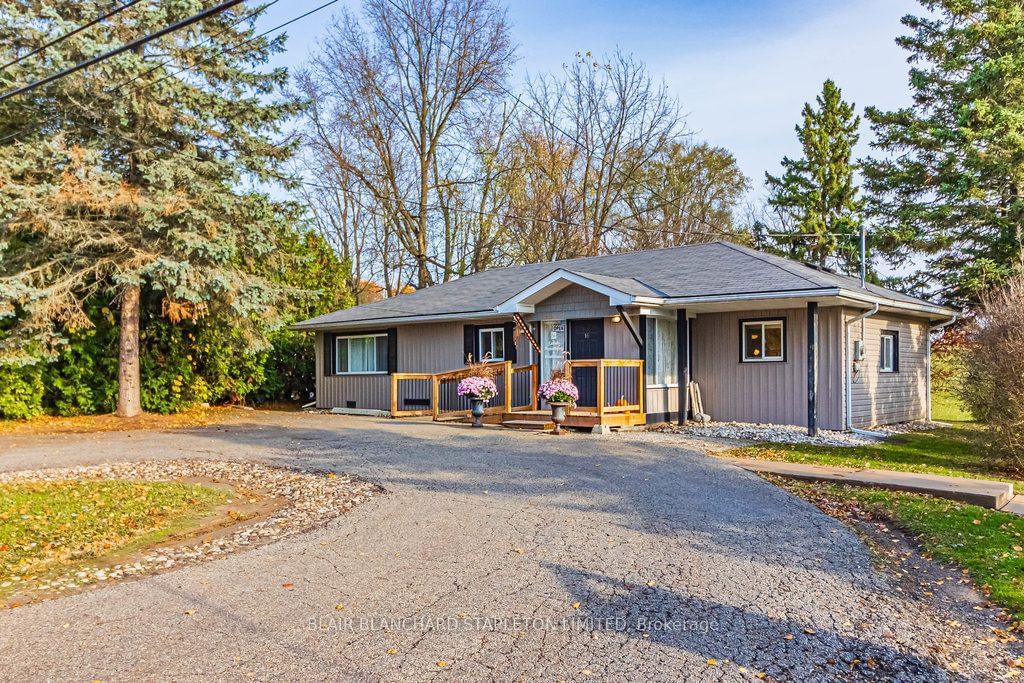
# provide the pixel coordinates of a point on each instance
(996, 495)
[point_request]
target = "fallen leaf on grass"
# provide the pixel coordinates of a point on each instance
(441, 664)
(392, 651)
(288, 586)
(651, 584)
(575, 605)
(340, 606)
(712, 662)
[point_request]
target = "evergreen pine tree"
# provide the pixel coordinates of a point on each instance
(133, 176)
(815, 199)
(949, 182)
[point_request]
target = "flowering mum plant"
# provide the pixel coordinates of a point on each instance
(559, 391)
(477, 387)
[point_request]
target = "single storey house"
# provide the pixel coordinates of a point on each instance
(765, 339)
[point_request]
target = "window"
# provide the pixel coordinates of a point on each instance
(662, 361)
(890, 352)
(492, 341)
(764, 341)
(361, 355)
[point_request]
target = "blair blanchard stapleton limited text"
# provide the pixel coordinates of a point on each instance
(513, 623)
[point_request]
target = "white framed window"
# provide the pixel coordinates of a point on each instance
(661, 364)
(492, 341)
(763, 341)
(361, 355)
(890, 351)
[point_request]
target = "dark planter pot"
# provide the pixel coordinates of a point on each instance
(476, 409)
(558, 415)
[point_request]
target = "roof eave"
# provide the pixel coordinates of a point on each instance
(855, 297)
(521, 302)
(391, 320)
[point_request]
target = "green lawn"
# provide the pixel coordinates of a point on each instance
(988, 544)
(45, 526)
(948, 408)
(956, 451)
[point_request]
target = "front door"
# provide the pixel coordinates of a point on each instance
(586, 341)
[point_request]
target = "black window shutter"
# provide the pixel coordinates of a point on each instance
(510, 344)
(469, 342)
(329, 353)
(642, 322)
(392, 350)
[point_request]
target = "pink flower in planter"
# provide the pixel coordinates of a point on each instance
(477, 387)
(559, 391)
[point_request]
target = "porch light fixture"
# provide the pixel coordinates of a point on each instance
(616, 318)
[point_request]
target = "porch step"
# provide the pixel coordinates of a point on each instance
(528, 424)
(453, 418)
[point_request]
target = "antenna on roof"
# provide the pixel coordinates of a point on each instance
(863, 255)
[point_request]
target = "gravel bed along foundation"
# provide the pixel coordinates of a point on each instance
(792, 434)
(307, 500)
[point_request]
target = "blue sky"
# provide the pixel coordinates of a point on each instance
(742, 69)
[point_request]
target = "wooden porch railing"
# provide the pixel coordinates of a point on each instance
(421, 393)
(620, 384)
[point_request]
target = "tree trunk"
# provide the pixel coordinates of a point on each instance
(129, 394)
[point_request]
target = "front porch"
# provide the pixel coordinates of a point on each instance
(611, 394)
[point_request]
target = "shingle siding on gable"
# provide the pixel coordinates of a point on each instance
(887, 397)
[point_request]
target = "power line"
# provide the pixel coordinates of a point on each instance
(257, 10)
(234, 47)
(195, 18)
(506, 215)
(117, 9)
(225, 50)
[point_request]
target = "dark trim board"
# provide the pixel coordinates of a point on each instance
(657, 418)
(683, 364)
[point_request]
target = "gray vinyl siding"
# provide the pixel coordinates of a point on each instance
(428, 347)
(370, 392)
(662, 402)
(433, 347)
(882, 397)
(773, 392)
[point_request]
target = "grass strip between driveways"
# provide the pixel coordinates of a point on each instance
(987, 543)
(951, 451)
(47, 525)
(955, 451)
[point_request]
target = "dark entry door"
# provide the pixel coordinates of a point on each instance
(586, 340)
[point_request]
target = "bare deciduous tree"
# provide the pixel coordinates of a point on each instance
(387, 96)
(619, 119)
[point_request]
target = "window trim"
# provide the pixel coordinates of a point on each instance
(894, 335)
(671, 358)
(754, 321)
(480, 342)
(348, 337)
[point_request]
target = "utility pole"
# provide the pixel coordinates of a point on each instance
(863, 255)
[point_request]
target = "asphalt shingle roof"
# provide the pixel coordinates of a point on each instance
(715, 268)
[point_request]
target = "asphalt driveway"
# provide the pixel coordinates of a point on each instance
(498, 555)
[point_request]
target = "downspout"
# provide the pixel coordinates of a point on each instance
(928, 361)
(849, 370)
